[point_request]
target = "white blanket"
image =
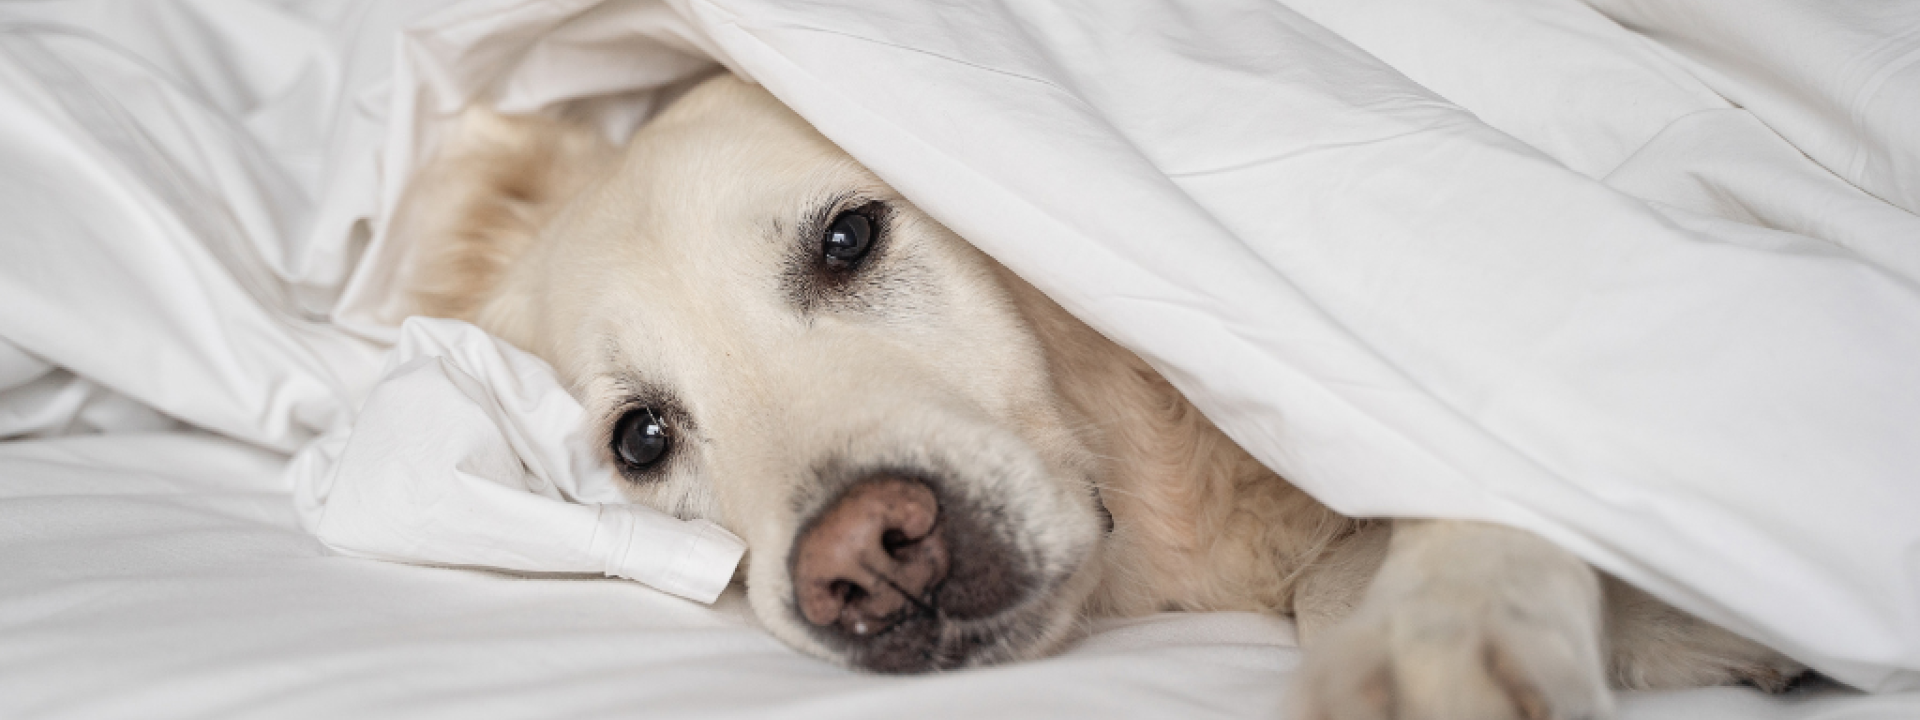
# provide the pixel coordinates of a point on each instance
(1606, 304)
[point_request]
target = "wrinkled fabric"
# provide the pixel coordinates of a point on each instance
(1839, 79)
(468, 453)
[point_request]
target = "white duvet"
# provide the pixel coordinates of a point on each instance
(1641, 277)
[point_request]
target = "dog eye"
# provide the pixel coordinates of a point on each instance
(847, 240)
(640, 439)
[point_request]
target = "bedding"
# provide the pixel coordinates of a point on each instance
(164, 575)
(1610, 273)
(468, 453)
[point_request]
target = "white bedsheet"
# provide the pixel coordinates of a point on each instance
(1703, 384)
(469, 453)
(160, 576)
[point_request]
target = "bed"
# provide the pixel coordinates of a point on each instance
(1643, 277)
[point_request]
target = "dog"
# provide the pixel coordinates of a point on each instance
(936, 467)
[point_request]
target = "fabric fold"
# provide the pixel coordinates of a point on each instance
(467, 454)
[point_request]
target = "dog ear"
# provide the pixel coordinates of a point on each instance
(482, 200)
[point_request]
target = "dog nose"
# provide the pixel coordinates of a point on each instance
(872, 555)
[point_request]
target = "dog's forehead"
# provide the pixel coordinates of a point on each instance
(730, 147)
(689, 240)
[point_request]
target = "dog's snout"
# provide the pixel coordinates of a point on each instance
(870, 557)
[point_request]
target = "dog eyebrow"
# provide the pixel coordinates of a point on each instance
(609, 349)
(632, 392)
(814, 223)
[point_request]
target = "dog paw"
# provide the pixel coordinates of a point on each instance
(1466, 655)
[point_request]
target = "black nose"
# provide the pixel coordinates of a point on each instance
(898, 579)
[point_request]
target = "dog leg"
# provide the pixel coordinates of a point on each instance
(1654, 645)
(1464, 620)
(1331, 589)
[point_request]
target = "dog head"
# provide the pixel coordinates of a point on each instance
(767, 336)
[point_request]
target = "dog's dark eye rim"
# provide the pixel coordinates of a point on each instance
(641, 440)
(847, 240)
(849, 237)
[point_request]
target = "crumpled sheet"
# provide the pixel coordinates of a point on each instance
(468, 453)
(1605, 304)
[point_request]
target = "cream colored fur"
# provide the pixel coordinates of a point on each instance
(660, 266)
